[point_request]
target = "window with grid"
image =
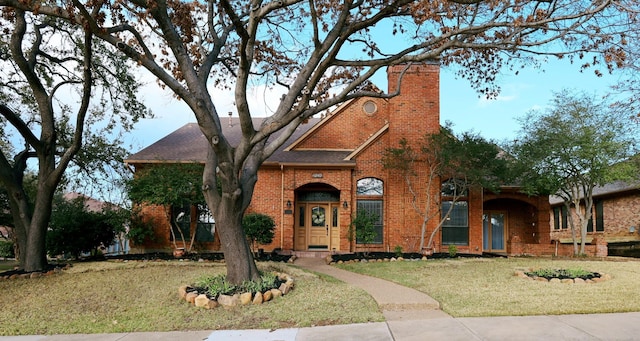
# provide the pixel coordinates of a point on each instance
(455, 227)
(369, 199)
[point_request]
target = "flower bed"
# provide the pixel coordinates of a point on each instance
(207, 298)
(562, 275)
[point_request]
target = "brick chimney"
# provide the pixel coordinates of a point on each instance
(416, 110)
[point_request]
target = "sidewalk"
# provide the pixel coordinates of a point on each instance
(410, 315)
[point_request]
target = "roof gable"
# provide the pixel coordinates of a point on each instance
(347, 128)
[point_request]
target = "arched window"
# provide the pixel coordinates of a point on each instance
(455, 212)
(369, 200)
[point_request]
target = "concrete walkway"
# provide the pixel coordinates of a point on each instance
(397, 303)
(410, 315)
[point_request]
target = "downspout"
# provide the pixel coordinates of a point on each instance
(281, 208)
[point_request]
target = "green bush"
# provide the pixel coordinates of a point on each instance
(453, 251)
(364, 227)
(563, 273)
(398, 251)
(218, 285)
(259, 228)
(6, 249)
(74, 230)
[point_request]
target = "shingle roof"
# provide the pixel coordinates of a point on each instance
(188, 144)
(608, 189)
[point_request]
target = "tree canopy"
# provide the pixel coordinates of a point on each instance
(59, 89)
(576, 144)
(321, 53)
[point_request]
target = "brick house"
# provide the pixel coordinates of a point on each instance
(331, 167)
(615, 222)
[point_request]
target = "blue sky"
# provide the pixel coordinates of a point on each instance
(493, 119)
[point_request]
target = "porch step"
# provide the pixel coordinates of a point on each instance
(312, 254)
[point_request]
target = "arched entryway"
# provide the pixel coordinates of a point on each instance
(503, 220)
(317, 225)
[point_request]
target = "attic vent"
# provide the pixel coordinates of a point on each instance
(369, 107)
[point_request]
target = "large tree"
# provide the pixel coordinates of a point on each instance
(578, 143)
(458, 163)
(51, 78)
(321, 53)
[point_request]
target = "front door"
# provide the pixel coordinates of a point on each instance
(318, 227)
(494, 231)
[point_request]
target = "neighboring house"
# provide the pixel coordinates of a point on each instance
(615, 218)
(331, 167)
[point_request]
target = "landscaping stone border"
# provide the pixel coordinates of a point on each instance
(202, 300)
(329, 260)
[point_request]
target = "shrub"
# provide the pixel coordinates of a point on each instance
(74, 230)
(364, 226)
(453, 251)
(398, 251)
(214, 286)
(563, 273)
(6, 249)
(259, 228)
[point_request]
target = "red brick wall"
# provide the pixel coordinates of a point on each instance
(268, 199)
(349, 127)
(619, 212)
(416, 111)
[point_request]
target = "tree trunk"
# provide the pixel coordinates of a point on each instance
(228, 196)
(30, 231)
(237, 253)
(573, 228)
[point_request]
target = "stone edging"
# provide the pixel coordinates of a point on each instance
(202, 300)
(522, 274)
(329, 260)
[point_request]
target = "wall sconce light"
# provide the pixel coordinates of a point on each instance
(288, 203)
(345, 204)
(632, 229)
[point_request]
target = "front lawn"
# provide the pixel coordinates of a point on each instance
(110, 297)
(487, 287)
(7, 265)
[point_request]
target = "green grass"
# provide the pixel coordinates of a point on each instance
(7, 265)
(109, 297)
(488, 287)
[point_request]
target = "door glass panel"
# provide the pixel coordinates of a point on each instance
(301, 216)
(497, 231)
(334, 216)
